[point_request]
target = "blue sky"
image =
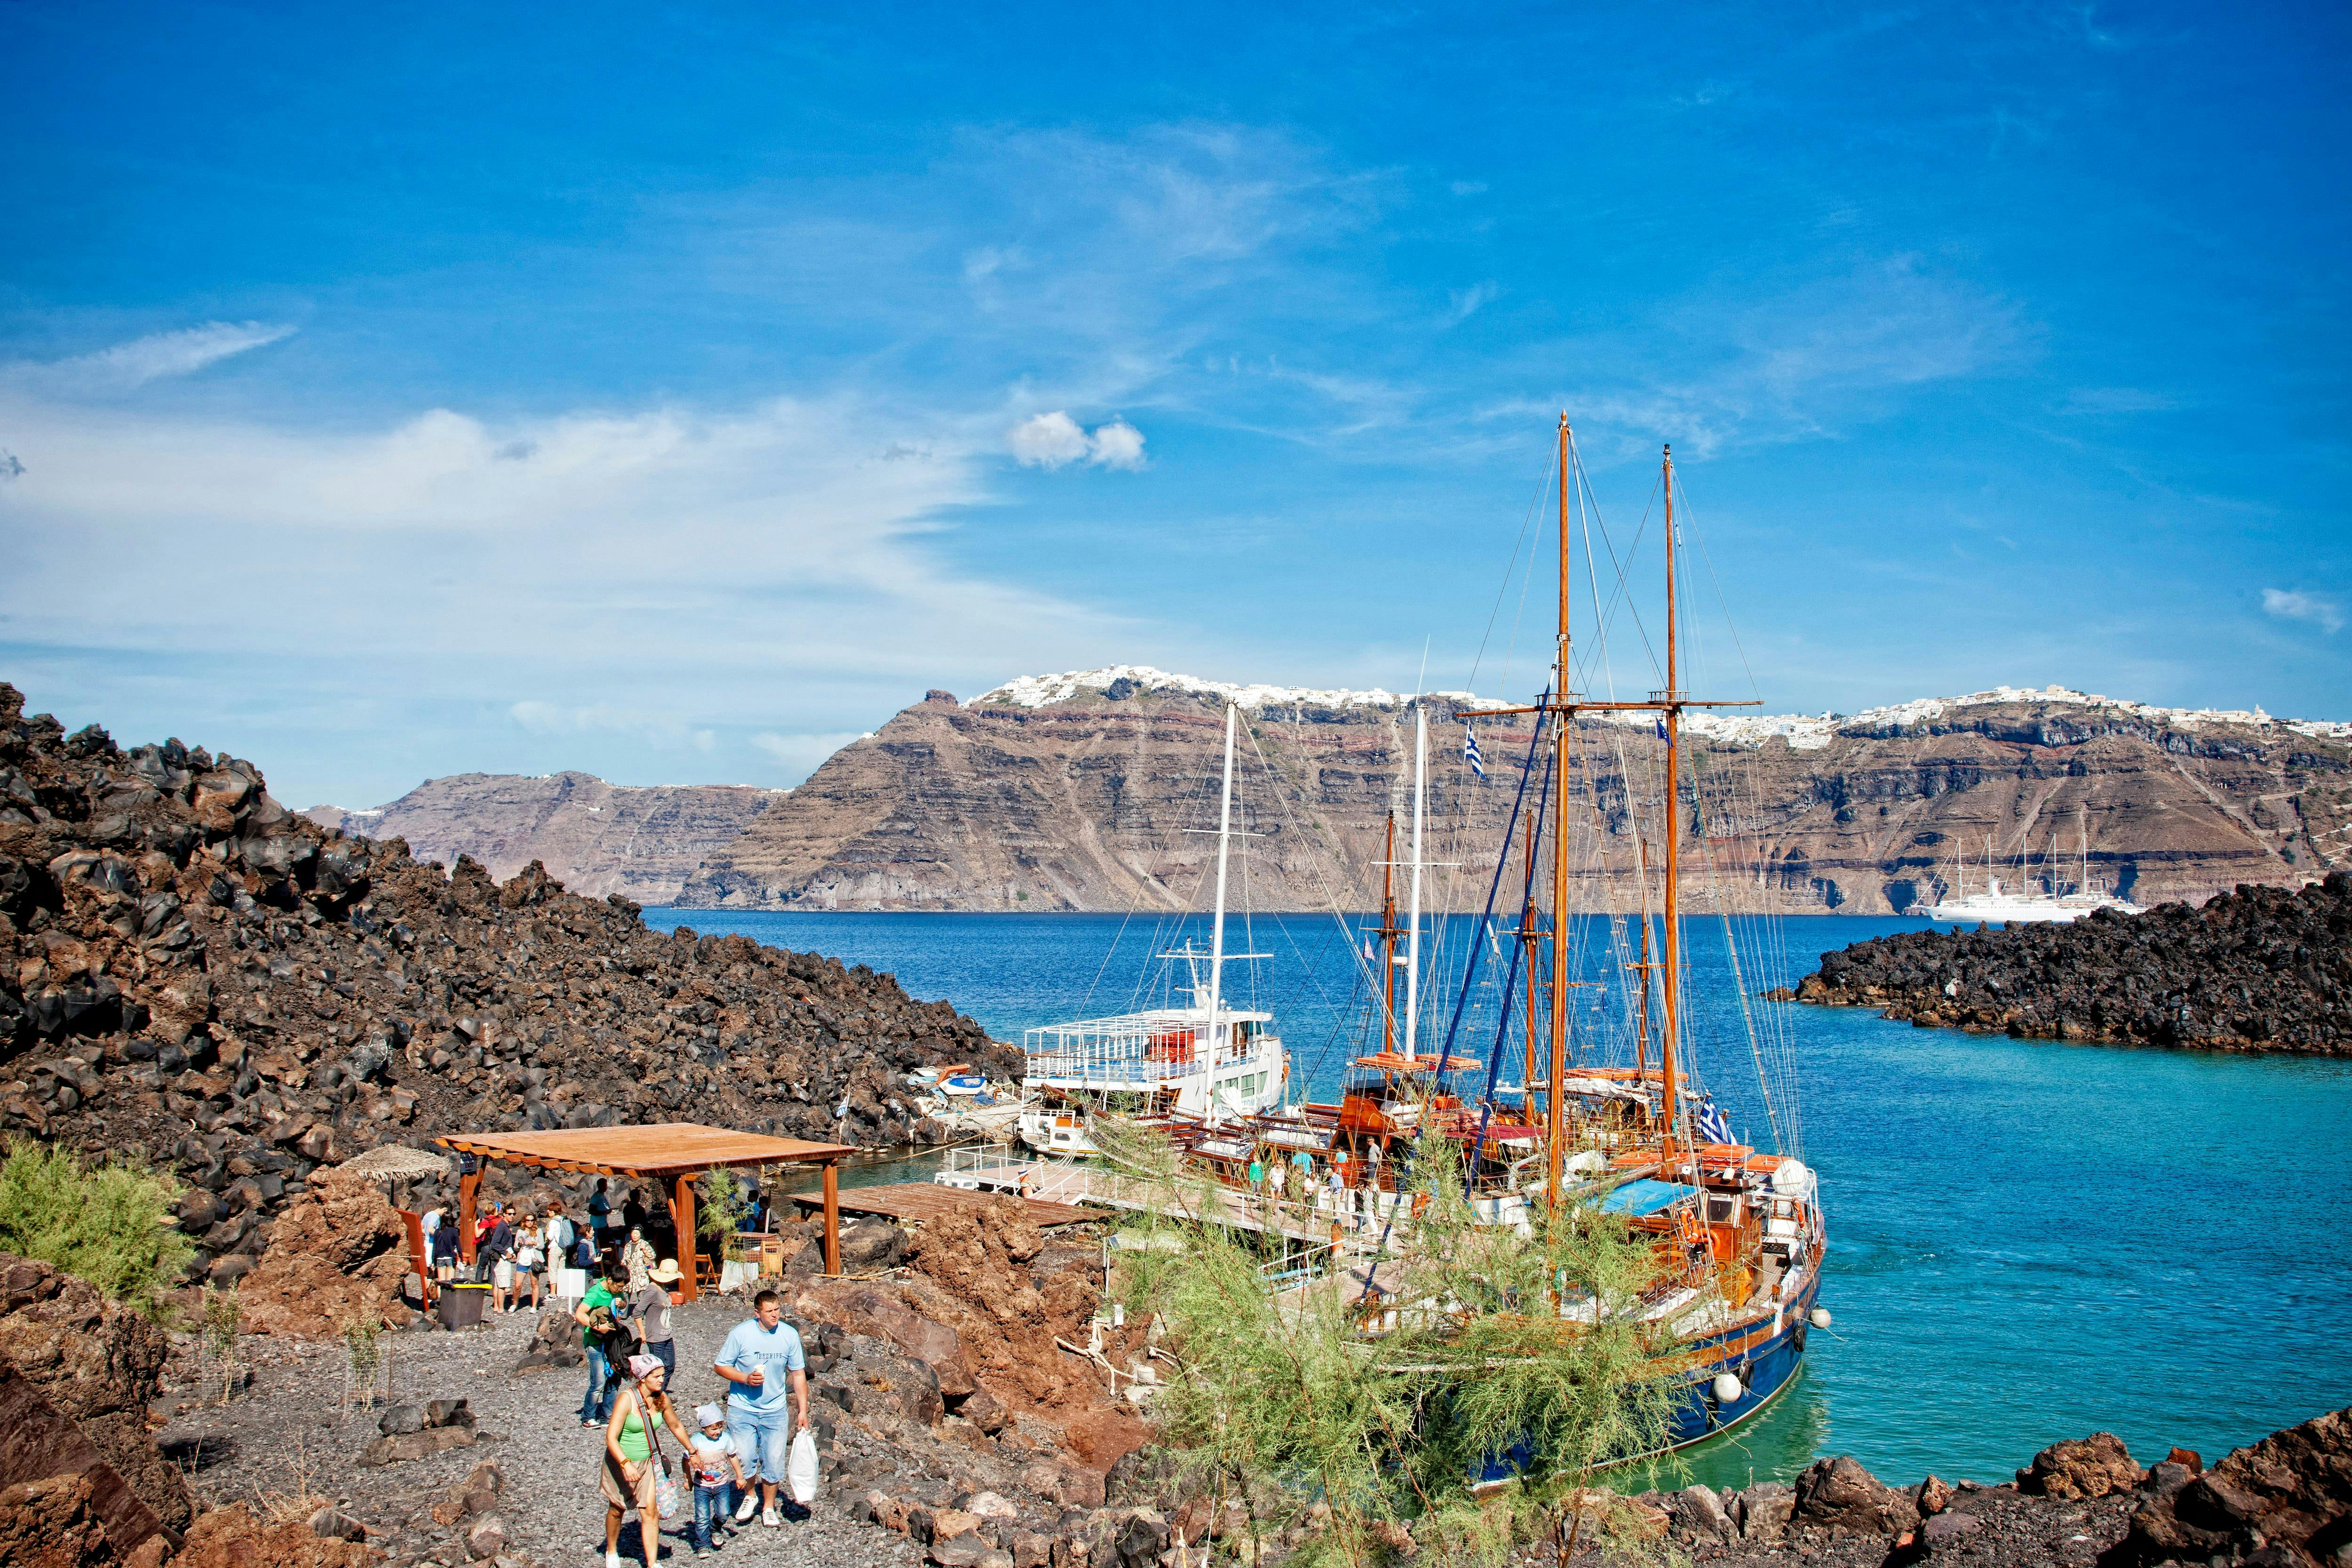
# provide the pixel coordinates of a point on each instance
(677, 394)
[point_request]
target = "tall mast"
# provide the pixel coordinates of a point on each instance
(1413, 920)
(1217, 931)
(1554, 1131)
(1672, 976)
(1388, 939)
(1530, 939)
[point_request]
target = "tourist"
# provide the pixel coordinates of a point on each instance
(600, 1214)
(597, 1330)
(444, 1252)
(715, 1459)
(494, 1255)
(527, 1256)
(638, 1262)
(762, 1358)
(633, 1212)
(1257, 1177)
(559, 1237)
(652, 1313)
(629, 1470)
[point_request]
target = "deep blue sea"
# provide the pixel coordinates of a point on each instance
(2028, 1240)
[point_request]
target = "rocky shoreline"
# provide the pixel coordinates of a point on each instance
(202, 978)
(2261, 969)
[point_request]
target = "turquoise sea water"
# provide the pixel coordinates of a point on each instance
(2027, 1241)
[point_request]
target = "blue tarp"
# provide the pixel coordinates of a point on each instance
(1644, 1197)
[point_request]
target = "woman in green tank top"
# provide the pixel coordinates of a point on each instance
(627, 1475)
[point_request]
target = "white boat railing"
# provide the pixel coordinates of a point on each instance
(1160, 1046)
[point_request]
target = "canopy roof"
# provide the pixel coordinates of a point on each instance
(1644, 1197)
(666, 1149)
(1396, 1062)
(392, 1161)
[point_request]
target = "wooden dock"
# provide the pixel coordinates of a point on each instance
(917, 1202)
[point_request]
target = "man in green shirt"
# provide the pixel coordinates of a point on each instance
(594, 1316)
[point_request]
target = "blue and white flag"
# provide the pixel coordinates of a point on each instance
(1661, 730)
(1711, 1124)
(1470, 751)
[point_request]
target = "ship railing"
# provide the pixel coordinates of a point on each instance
(1131, 1046)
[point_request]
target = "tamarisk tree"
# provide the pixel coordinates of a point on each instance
(1456, 1392)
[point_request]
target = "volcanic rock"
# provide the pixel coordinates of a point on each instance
(97, 1364)
(196, 977)
(2095, 1466)
(1838, 1494)
(2258, 970)
(2286, 1500)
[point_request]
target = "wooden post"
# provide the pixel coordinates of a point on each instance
(466, 1186)
(681, 1213)
(832, 1219)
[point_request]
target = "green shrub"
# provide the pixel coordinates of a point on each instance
(109, 1224)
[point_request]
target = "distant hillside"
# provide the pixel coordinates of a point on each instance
(1077, 791)
(594, 838)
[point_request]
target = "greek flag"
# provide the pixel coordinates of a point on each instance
(1711, 1124)
(1470, 751)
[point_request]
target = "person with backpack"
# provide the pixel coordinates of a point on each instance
(634, 1464)
(601, 1334)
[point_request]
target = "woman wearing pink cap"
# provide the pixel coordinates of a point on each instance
(630, 1469)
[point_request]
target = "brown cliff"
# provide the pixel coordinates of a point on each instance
(1086, 792)
(595, 837)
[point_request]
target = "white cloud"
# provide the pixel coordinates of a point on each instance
(1469, 187)
(1118, 445)
(1047, 441)
(1055, 440)
(1464, 303)
(2293, 604)
(128, 366)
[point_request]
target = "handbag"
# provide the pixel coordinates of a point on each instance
(669, 1495)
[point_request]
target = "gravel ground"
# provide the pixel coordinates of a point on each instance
(284, 1436)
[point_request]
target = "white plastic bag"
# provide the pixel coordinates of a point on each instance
(800, 1467)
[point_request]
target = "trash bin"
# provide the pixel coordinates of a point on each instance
(461, 1305)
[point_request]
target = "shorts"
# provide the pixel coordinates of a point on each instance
(619, 1490)
(502, 1275)
(763, 1435)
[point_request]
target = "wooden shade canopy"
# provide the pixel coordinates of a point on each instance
(675, 1152)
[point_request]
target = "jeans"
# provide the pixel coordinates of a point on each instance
(666, 1350)
(768, 1433)
(604, 1384)
(711, 1507)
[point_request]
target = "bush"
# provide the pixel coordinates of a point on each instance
(110, 1224)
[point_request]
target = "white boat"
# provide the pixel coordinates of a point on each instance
(1206, 1062)
(2045, 899)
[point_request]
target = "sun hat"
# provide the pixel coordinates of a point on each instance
(666, 1271)
(709, 1415)
(644, 1367)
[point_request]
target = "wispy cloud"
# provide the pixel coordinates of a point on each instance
(664, 732)
(128, 366)
(1056, 440)
(800, 755)
(2293, 604)
(1461, 304)
(2102, 401)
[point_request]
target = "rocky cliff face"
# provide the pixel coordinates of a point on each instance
(1087, 791)
(595, 837)
(196, 976)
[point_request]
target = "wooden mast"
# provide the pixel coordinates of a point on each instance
(1555, 1129)
(1672, 976)
(1388, 941)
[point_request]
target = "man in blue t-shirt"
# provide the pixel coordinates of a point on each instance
(762, 1358)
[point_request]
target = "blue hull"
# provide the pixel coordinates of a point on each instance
(1763, 1371)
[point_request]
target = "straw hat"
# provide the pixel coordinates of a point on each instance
(664, 1272)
